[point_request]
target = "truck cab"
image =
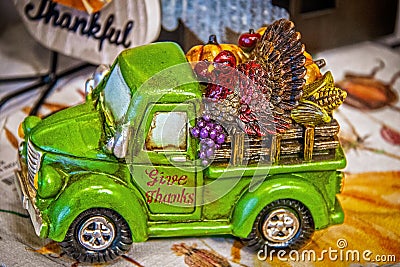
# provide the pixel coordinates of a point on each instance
(123, 167)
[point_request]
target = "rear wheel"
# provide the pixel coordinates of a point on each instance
(282, 224)
(97, 235)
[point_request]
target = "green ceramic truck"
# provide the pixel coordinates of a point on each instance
(123, 167)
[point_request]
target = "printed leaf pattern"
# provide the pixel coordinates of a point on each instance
(196, 257)
(11, 138)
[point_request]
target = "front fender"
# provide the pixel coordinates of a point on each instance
(97, 191)
(279, 187)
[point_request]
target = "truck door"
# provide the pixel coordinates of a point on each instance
(163, 163)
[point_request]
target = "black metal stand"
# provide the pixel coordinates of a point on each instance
(48, 80)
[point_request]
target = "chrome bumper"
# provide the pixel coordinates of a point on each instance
(27, 196)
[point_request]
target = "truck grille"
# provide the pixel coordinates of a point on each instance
(34, 158)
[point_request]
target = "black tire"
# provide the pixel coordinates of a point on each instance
(85, 242)
(296, 231)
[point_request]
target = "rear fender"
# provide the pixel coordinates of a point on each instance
(287, 187)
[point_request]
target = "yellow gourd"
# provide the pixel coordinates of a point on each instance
(313, 72)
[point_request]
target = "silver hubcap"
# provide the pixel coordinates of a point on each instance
(280, 225)
(96, 233)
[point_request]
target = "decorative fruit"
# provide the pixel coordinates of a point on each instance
(313, 72)
(247, 41)
(210, 50)
(318, 101)
(227, 58)
(211, 135)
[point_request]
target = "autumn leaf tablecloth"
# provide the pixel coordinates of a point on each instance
(371, 196)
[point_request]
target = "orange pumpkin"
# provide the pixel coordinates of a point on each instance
(210, 50)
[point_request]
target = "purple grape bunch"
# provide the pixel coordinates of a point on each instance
(211, 135)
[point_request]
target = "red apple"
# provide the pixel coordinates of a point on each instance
(247, 41)
(227, 58)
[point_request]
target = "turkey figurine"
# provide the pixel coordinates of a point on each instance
(277, 86)
(281, 53)
(269, 84)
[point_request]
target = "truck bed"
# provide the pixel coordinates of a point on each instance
(217, 170)
(297, 145)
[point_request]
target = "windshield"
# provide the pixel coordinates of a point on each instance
(116, 95)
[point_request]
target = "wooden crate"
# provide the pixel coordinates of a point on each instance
(295, 145)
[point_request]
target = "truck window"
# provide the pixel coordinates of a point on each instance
(168, 132)
(117, 94)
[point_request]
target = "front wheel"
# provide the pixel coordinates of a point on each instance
(282, 224)
(96, 236)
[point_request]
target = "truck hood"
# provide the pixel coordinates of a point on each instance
(75, 131)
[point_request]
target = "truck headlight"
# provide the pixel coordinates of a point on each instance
(49, 182)
(28, 124)
(99, 74)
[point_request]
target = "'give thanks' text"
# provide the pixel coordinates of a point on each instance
(164, 188)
